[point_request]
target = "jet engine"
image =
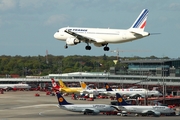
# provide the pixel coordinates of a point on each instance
(96, 112)
(72, 41)
(157, 114)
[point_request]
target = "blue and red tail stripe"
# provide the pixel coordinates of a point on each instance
(141, 20)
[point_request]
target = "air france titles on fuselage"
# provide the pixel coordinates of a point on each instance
(77, 30)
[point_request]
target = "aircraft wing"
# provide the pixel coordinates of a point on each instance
(6, 87)
(84, 38)
(152, 112)
(85, 91)
(136, 95)
(91, 110)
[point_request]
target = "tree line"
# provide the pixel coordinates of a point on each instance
(50, 64)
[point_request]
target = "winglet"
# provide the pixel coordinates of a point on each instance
(120, 100)
(61, 99)
(108, 88)
(140, 22)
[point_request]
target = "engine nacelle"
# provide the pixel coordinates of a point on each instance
(157, 114)
(72, 41)
(96, 112)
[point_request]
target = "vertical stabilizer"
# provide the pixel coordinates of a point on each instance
(140, 22)
(55, 86)
(108, 88)
(83, 85)
(61, 99)
(62, 85)
(120, 100)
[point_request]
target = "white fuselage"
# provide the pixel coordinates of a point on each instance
(4, 86)
(130, 92)
(82, 107)
(144, 109)
(93, 91)
(102, 35)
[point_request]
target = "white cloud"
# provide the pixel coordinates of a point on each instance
(56, 19)
(7, 4)
(174, 6)
(31, 3)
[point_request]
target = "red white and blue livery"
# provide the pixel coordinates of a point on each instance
(101, 36)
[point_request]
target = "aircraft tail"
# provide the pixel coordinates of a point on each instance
(55, 86)
(83, 85)
(120, 100)
(108, 88)
(140, 22)
(62, 85)
(61, 99)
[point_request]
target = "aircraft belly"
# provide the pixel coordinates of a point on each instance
(117, 39)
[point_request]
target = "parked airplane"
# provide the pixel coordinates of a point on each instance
(14, 86)
(102, 37)
(89, 90)
(132, 92)
(143, 110)
(85, 108)
(66, 89)
(55, 86)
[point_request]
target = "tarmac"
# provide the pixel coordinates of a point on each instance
(24, 105)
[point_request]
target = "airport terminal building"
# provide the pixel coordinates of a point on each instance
(151, 67)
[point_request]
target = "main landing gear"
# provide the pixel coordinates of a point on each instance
(106, 48)
(88, 47)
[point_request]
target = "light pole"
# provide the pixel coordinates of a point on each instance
(163, 84)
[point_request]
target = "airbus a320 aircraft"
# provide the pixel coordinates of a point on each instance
(64, 88)
(84, 108)
(132, 92)
(102, 37)
(88, 90)
(14, 86)
(143, 110)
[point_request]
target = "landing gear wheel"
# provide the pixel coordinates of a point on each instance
(65, 46)
(88, 47)
(106, 48)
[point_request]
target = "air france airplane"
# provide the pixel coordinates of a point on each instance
(143, 110)
(102, 37)
(84, 108)
(131, 92)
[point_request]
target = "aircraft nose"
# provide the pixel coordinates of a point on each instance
(56, 35)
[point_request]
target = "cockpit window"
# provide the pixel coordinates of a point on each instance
(58, 31)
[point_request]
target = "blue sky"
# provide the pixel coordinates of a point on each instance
(27, 26)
